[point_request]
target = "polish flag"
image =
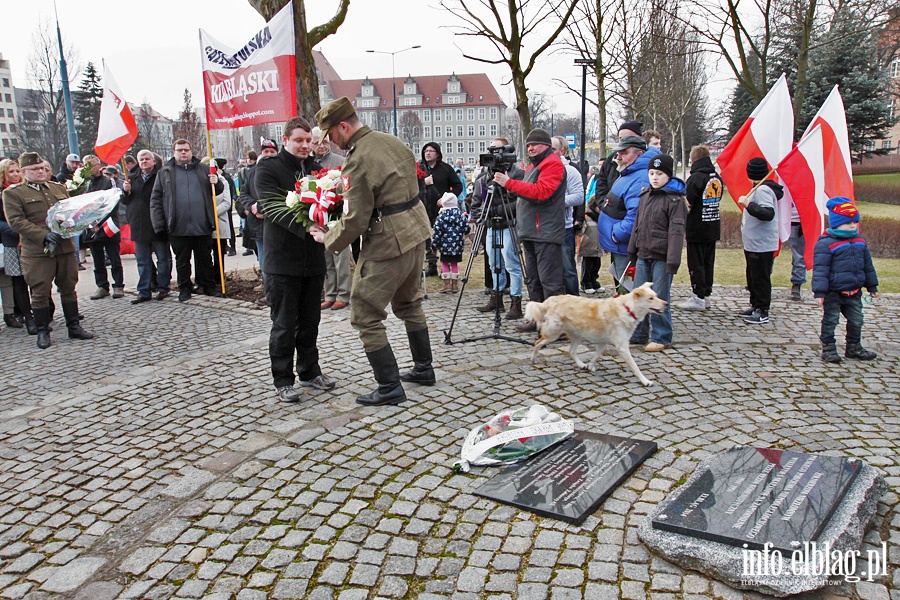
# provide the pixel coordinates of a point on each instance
(117, 129)
(109, 228)
(835, 146)
(803, 171)
(768, 132)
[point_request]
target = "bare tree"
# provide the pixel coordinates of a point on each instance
(308, 101)
(506, 26)
(41, 119)
(189, 127)
(410, 129)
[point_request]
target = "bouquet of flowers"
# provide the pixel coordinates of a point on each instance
(79, 181)
(318, 199)
(71, 216)
(512, 436)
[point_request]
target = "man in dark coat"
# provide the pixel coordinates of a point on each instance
(249, 203)
(101, 243)
(138, 189)
(440, 178)
(294, 264)
(181, 205)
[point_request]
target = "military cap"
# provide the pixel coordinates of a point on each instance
(30, 158)
(332, 114)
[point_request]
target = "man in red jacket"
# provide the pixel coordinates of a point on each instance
(540, 218)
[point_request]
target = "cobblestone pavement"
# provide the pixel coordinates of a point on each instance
(156, 462)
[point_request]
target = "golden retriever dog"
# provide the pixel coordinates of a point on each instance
(604, 322)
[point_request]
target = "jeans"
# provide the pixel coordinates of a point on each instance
(509, 261)
(143, 254)
(101, 277)
(835, 305)
(570, 273)
(798, 247)
(658, 328)
(260, 253)
(621, 263)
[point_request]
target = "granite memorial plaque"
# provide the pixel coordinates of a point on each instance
(755, 496)
(570, 480)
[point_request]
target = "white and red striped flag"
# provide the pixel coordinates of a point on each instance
(803, 172)
(117, 129)
(768, 132)
(109, 227)
(835, 146)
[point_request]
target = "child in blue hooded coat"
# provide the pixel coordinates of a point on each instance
(655, 246)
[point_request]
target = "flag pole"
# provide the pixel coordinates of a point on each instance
(212, 186)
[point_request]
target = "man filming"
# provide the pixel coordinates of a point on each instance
(503, 205)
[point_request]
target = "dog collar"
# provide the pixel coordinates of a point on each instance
(630, 312)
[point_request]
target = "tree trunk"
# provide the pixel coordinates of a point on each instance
(803, 61)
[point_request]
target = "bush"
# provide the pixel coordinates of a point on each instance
(881, 191)
(882, 235)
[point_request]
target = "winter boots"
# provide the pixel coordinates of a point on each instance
(73, 322)
(491, 305)
(515, 308)
(858, 352)
(420, 347)
(830, 355)
(387, 374)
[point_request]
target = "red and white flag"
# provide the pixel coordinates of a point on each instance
(768, 132)
(835, 146)
(109, 227)
(256, 83)
(804, 173)
(116, 130)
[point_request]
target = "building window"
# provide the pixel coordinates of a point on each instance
(471, 131)
(7, 97)
(452, 100)
(481, 131)
(481, 114)
(494, 130)
(885, 144)
(448, 114)
(471, 112)
(459, 147)
(437, 132)
(493, 113)
(459, 114)
(368, 103)
(894, 68)
(5, 82)
(449, 131)
(471, 147)
(427, 131)
(437, 115)
(2, 127)
(9, 113)
(459, 131)
(426, 115)
(409, 102)
(482, 147)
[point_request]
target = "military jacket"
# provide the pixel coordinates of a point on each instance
(26, 212)
(379, 171)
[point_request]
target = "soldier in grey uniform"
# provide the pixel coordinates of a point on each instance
(45, 255)
(382, 195)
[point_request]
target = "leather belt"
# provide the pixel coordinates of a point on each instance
(393, 209)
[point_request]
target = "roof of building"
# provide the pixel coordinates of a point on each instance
(478, 88)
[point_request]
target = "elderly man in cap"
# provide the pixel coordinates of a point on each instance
(608, 173)
(618, 211)
(45, 255)
(540, 218)
(382, 193)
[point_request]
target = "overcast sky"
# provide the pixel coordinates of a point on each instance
(153, 50)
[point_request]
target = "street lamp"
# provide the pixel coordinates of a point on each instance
(584, 63)
(393, 81)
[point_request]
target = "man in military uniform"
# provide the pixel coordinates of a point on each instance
(45, 255)
(382, 194)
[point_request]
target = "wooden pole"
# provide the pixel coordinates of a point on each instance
(215, 209)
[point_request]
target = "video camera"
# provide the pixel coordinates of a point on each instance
(499, 160)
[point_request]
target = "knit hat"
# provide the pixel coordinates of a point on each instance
(634, 126)
(448, 200)
(538, 136)
(30, 158)
(264, 143)
(664, 163)
(757, 169)
(841, 210)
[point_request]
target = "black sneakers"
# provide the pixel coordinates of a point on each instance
(757, 317)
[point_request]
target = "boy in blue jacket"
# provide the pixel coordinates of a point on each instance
(842, 267)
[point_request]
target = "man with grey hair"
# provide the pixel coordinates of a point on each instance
(137, 190)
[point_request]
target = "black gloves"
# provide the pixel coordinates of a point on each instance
(51, 241)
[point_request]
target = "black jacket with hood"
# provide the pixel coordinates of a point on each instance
(444, 178)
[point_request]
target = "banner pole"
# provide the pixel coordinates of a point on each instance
(212, 186)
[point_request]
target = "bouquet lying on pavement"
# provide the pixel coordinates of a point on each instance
(71, 216)
(316, 199)
(512, 436)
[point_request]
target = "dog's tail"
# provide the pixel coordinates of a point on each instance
(534, 311)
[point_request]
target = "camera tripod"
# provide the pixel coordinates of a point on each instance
(497, 250)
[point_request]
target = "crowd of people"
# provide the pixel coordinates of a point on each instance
(539, 220)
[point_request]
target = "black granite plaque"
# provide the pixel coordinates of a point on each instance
(755, 496)
(570, 480)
